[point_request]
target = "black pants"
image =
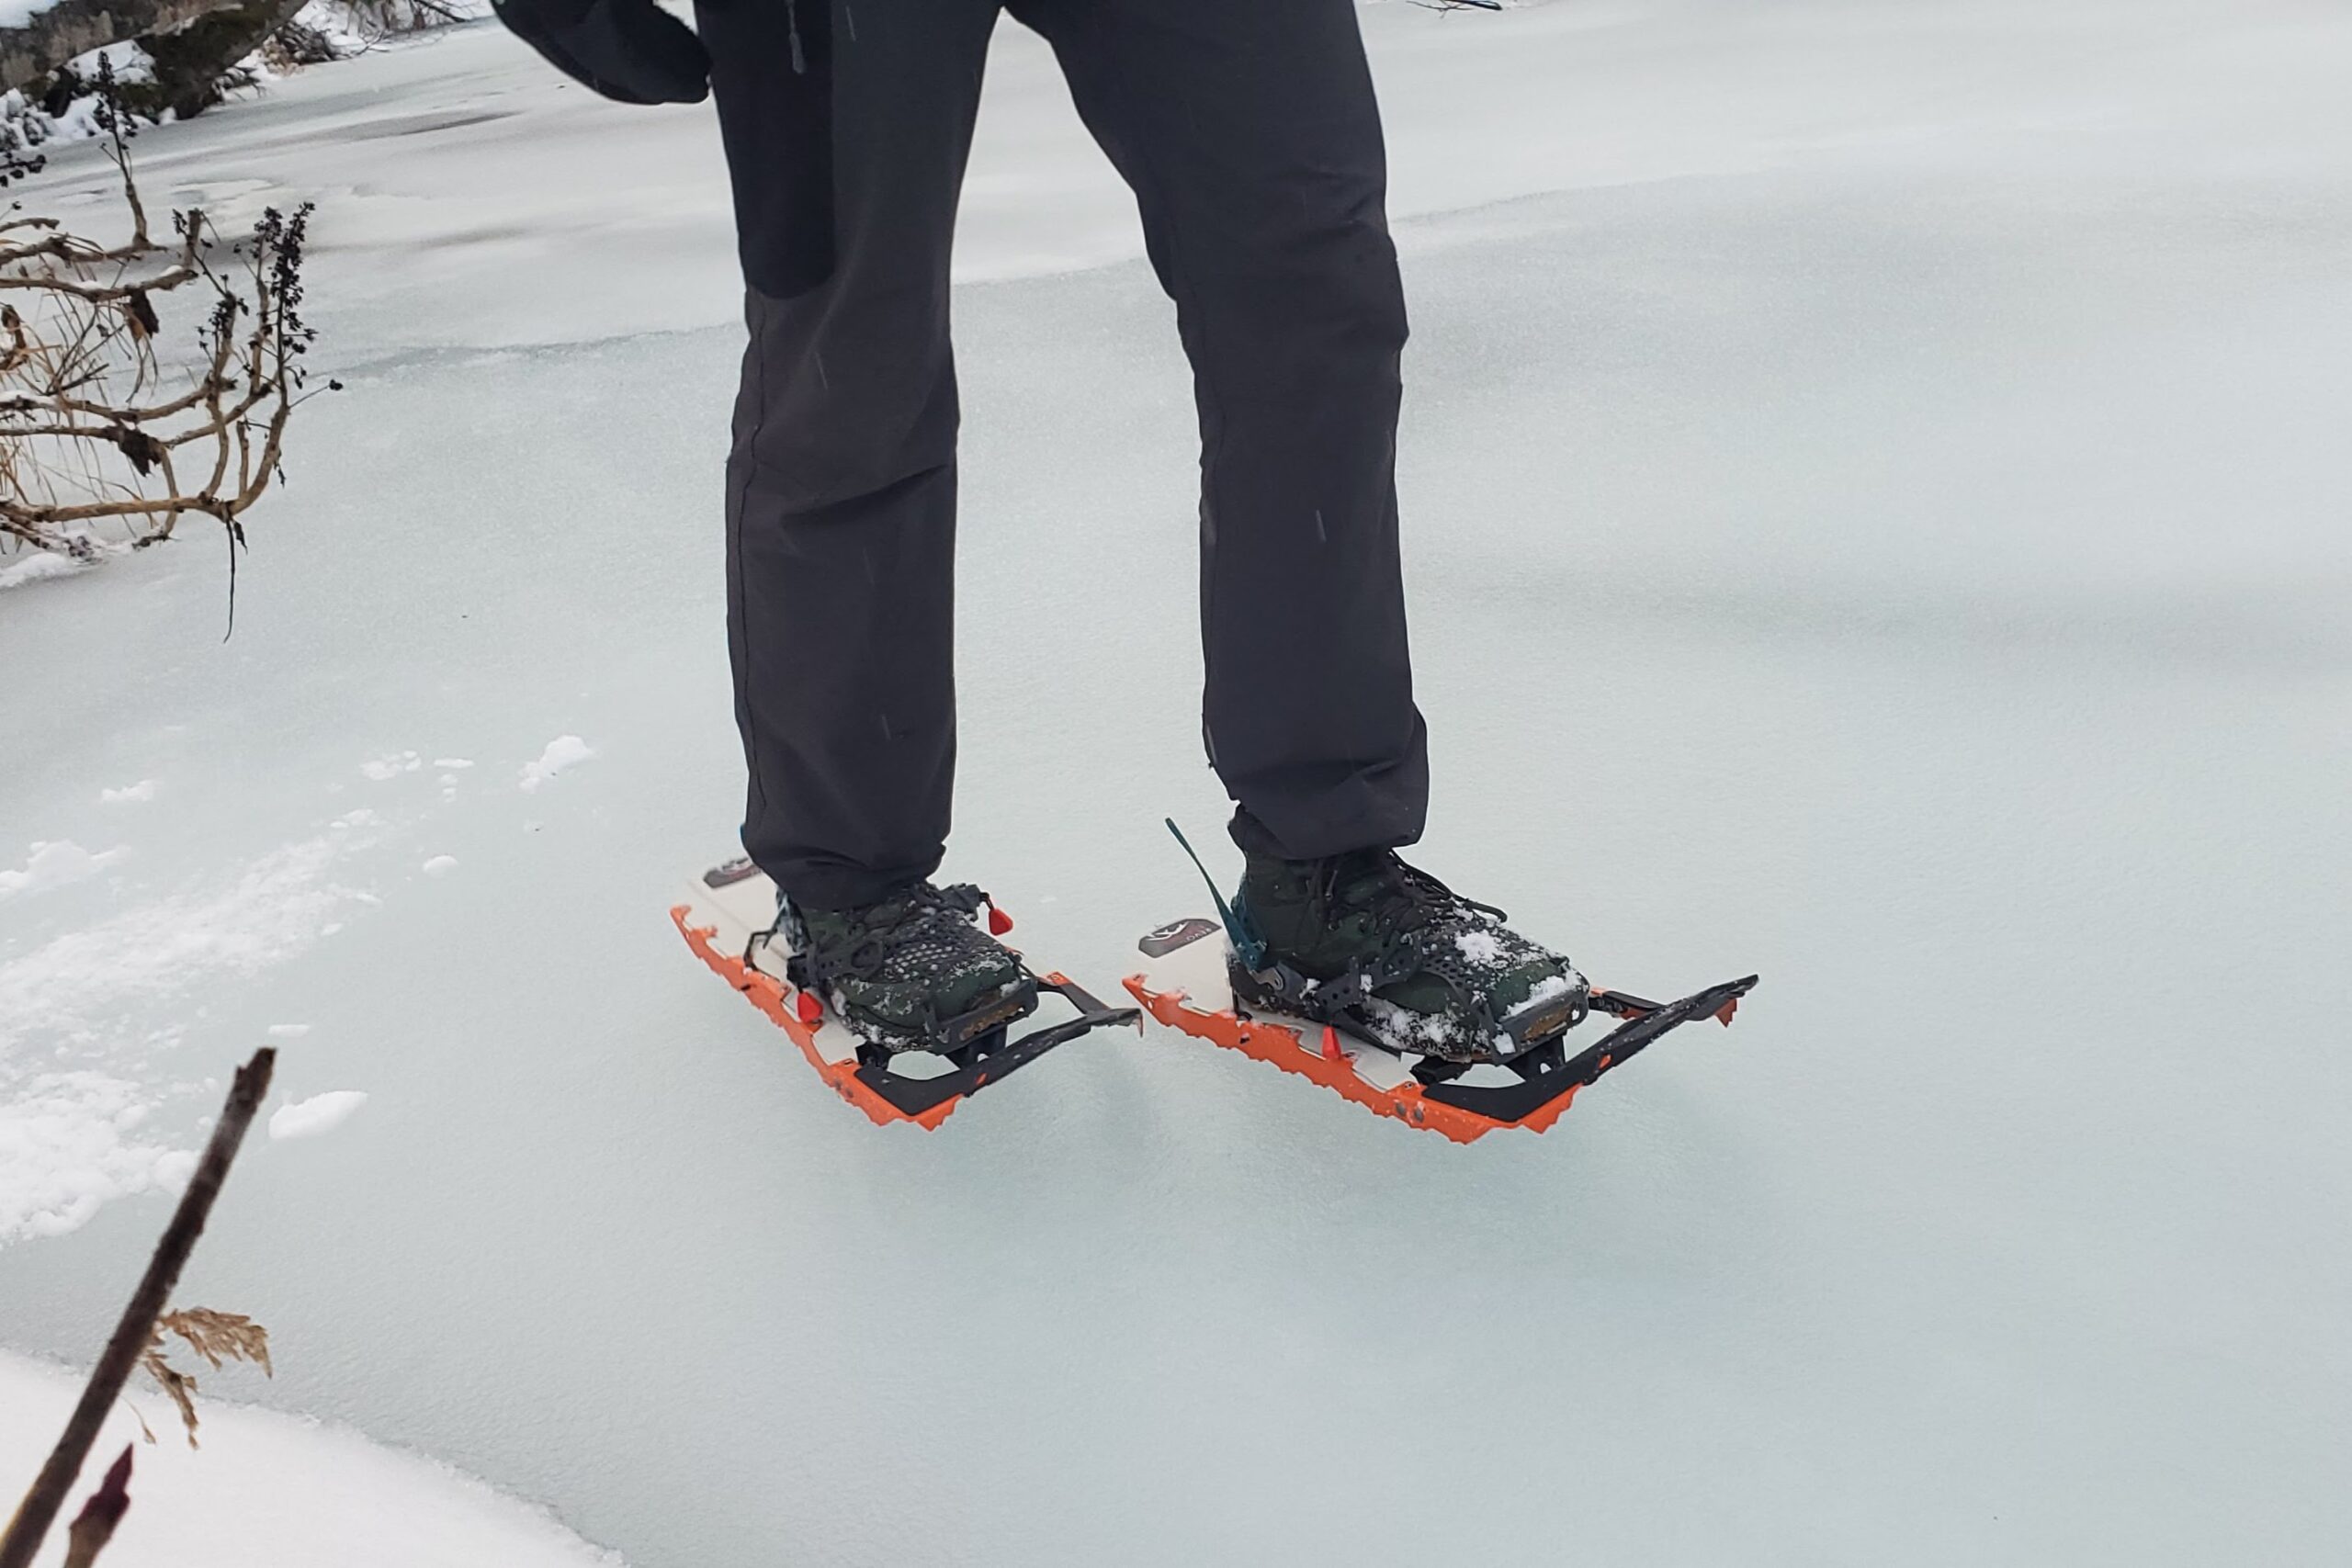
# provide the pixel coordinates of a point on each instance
(1249, 133)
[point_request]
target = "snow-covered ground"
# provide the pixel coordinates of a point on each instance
(267, 1488)
(1877, 513)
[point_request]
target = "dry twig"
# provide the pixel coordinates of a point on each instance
(135, 1333)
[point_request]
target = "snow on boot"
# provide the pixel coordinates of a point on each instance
(914, 971)
(1391, 952)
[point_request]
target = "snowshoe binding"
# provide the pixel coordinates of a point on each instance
(1366, 941)
(874, 996)
(1378, 981)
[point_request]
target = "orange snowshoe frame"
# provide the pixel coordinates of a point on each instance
(1186, 988)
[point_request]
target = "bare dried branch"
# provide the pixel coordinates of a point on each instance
(134, 1333)
(100, 427)
(95, 1525)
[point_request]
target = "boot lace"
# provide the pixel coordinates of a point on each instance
(1401, 898)
(919, 919)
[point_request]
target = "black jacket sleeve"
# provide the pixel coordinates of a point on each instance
(628, 49)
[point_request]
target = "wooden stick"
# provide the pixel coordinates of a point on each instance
(41, 1504)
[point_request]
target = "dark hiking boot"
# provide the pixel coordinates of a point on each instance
(1366, 941)
(916, 971)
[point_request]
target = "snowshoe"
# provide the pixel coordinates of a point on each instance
(1360, 995)
(903, 1008)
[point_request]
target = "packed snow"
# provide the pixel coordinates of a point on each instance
(71, 1141)
(392, 765)
(55, 864)
(319, 1115)
(563, 752)
(1875, 515)
(267, 1489)
(39, 567)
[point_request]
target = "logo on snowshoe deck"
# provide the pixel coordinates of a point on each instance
(738, 870)
(1175, 934)
(1017, 1007)
(1557, 1021)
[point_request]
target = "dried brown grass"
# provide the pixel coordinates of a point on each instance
(217, 1337)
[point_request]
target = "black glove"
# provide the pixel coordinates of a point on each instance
(628, 49)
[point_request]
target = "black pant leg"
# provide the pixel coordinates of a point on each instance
(1249, 133)
(847, 126)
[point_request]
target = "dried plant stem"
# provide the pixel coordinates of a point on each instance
(136, 1330)
(92, 437)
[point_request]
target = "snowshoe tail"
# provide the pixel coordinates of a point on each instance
(1185, 986)
(727, 920)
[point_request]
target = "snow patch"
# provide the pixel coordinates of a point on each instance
(1479, 947)
(563, 752)
(40, 565)
(319, 1115)
(269, 1490)
(173, 1169)
(289, 1031)
(267, 915)
(20, 12)
(391, 765)
(440, 866)
(144, 790)
(129, 59)
(65, 1148)
(93, 1008)
(1415, 1032)
(54, 864)
(1552, 985)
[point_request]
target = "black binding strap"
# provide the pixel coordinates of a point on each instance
(990, 1057)
(1546, 1073)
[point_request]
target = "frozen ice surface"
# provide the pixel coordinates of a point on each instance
(1874, 491)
